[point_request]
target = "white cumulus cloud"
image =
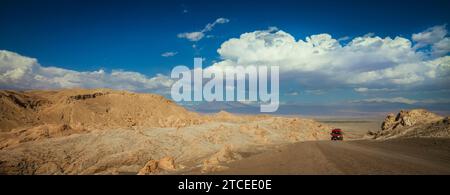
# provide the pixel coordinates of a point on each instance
(366, 61)
(431, 35)
(435, 37)
(21, 72)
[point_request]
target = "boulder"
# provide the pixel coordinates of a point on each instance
(155, 166)
(151, 167)
(167, 163)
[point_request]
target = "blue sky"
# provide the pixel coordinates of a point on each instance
(132, 36)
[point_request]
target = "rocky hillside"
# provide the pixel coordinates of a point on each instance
(413, 123)
(36, 115)
(92, 109)
(102, 131)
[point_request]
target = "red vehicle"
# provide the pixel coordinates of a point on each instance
(337, 134)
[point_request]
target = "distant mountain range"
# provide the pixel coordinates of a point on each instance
(373, 109)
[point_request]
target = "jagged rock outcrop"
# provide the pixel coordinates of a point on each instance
(407, 118)
(389, 122)
(151, 167)
(157, 166)
(413, 123)
(167, 163)
(87, 96)
(224, 155)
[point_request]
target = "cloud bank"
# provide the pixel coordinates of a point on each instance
(364, 62)
(402, 100)
(21, 72)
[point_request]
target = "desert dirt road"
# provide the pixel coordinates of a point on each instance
(402, 156)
